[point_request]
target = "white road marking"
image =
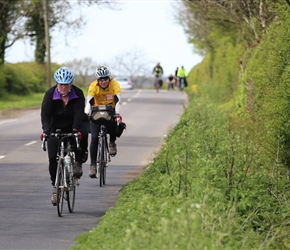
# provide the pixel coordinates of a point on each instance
(5, 121)
(2, 156)
(30, 143)
(138, 93)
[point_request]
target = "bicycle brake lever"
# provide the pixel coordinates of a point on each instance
(43, 144)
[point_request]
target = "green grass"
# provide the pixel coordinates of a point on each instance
(207, 189)
(21, 102)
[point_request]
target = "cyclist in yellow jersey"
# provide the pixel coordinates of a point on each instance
(182, 75)
(103, 91)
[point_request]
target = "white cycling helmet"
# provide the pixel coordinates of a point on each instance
(63, 76)
(102, 71)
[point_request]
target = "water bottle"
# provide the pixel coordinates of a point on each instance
(67, 163)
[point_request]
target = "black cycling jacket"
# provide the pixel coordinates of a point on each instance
(54, 115)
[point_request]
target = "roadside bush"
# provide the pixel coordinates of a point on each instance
(22, 78)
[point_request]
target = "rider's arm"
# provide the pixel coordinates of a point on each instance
(117, 96)
(90, 97)
(117, 99)
(46, 111)
(89, 100)
(78, 108)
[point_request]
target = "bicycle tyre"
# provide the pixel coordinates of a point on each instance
(105, 161)
(104, 173)
(71, 194)
(181, 86)
(157, 86)
(59, 188)
(101, 161)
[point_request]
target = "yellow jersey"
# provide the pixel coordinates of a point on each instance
(104, 96)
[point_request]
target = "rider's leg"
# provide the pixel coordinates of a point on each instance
(95, 129)
(52, 147)
(112, 128)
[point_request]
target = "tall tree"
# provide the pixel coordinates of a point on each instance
(36, 28)
(20, 19)
(59, 16)
(11, 24)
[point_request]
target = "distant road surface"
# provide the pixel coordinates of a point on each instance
(27, 218)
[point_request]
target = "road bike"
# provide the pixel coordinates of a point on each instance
(157, 83)
(102, 115)
(170, 84)
(103, 157)
(182, 83)
(65, 181)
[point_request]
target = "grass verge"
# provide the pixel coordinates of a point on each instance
(205, 190)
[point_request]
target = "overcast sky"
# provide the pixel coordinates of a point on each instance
(145, 26)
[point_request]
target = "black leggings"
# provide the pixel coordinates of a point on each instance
(95, 129)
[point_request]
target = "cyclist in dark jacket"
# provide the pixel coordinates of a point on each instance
(63, 108)
(158, 73)
(157, 70)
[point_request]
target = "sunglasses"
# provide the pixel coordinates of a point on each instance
(104, 79)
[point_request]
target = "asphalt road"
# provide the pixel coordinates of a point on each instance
(27, 218)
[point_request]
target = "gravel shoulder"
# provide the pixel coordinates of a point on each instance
(12, 113)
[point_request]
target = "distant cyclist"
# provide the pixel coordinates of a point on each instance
(176, 77)
(182, 74)
(170, 82)
(158, 73)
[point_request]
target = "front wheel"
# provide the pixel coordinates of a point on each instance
(59, 184)
(181, 84)
(71, 194)
(157, 86)
(101, 162)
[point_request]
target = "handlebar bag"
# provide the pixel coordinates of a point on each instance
(102, 113)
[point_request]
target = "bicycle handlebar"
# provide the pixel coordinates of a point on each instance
(62, 137)
(44, 139)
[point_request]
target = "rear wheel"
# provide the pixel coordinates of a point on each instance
(59, 188)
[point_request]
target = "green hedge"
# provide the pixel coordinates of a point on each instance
(23, 78)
